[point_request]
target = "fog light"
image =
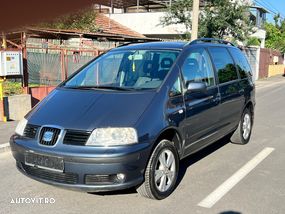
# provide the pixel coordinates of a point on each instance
(121, 177)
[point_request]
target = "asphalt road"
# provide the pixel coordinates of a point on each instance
(258, 190)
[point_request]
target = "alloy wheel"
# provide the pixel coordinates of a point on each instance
(165, 170)
(246, 126)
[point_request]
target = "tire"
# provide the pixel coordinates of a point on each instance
(166, 174)
(243, 132)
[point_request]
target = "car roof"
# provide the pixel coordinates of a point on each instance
(153, 45)
(166, 45)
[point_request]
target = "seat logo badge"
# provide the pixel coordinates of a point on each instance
(48, 136)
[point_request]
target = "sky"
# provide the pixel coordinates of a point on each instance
(274, 6)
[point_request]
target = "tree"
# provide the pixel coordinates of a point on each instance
(217, 19)
(83, 20)
(179, 13)
(275, 34)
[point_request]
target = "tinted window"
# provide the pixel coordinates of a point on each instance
(242, 63)
(224, 64)
(197, 67)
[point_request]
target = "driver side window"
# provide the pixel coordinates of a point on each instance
(197, 67)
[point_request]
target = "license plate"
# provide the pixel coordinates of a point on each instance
(44, 162)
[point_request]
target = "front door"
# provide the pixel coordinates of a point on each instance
(202, 108)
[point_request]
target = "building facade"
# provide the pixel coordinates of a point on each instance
(145, 17)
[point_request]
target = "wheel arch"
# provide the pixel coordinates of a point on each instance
(249, 105)
(172, 134)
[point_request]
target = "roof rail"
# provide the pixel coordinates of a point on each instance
(211, 40)
(131, 43)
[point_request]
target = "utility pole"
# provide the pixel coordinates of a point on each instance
(195, 19)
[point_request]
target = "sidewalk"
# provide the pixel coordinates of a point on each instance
(6, 130)
(269, 81)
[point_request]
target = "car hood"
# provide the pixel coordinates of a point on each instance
(89, 109)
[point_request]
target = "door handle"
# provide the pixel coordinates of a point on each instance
(241, 91)
(180, 111)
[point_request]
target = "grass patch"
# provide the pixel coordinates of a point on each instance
(12, 88)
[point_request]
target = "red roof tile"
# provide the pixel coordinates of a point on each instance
(108, 25)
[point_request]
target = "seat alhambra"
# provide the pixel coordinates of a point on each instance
(129, 116)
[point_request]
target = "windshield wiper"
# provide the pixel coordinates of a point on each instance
(101, 87)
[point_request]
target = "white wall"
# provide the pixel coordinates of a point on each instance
(147, 23)
(253, 57)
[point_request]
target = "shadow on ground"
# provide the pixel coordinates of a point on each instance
(192, 159)
(184, 165)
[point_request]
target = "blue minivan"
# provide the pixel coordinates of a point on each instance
(129, 116)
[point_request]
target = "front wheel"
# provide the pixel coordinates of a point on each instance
(161, 172)
(243, 132)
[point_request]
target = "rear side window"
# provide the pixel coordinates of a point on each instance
(241, 62)
(224, 64)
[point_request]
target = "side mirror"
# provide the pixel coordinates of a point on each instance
(194, 87)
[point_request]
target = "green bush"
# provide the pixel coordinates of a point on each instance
(12, 88)
(84, 20)
(253, 41)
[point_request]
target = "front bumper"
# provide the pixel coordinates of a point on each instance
(101, 164)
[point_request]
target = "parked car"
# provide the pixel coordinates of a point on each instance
(129, 116)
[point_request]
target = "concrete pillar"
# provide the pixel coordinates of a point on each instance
(262, 44)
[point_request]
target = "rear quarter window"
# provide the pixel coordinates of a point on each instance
(241, 62)
(224, 64)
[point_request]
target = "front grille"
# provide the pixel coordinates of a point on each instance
(31, 131)
(66, 178)
(100, 179)
(78, 138)
(52, 141)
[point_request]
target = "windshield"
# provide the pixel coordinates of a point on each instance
(128, 69)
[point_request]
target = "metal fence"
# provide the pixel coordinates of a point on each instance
(267, 58)
(44, 68)
(49, 67)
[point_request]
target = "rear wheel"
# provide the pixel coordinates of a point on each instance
(243, 132)
(161, 172)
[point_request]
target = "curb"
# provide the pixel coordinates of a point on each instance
(4, 147)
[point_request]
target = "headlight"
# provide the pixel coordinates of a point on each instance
(112, 137)
(21, 127)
